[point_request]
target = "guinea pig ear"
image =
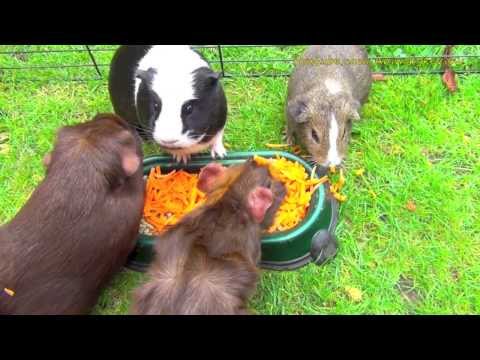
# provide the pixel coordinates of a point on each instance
(259, 201)
(145, 75)
(354, 110)
(208, 175)
(213, 78)
(350, 107)
(297, 109)
(141, 74)
(130, 162)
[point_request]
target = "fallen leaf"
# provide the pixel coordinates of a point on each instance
(227, 145)
(449, 80)
(378, 77)
(411, 206)
(354, 293)
(372, 193)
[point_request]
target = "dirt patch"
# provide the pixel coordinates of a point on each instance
(406, 287)
(20, 56)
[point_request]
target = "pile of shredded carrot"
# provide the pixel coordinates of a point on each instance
(300, 188)
(170, 196)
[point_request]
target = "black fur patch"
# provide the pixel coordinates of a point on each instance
(209, 110)
(149, 104)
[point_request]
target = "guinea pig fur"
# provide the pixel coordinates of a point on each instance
(79, 225)
(170, 94)
(326, 90)
(207, 263)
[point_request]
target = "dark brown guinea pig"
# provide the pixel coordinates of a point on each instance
(79, 225)
(207, 263)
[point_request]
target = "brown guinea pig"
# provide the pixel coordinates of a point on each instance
(79, 225)
(325, 93)
(207, 263)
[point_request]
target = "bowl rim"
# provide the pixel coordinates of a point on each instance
(317, 202)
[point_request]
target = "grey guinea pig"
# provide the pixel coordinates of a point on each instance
(325, 93)
(170, 95)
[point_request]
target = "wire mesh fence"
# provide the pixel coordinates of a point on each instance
(91, 62)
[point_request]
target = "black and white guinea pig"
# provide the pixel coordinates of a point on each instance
(170, 94)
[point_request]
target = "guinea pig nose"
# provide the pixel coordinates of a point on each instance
(322, 170)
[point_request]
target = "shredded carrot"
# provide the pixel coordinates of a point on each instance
(336, 187)
(9, 292)
(170, 196)
(277, 146)
(300, 188)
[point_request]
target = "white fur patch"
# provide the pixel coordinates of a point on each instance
(332, 157)
(173, 83)
(333, 86)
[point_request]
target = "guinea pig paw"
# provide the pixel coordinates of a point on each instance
(182, 158)
(178, 158)
(288, 138)
(186, 158)
(218, 149)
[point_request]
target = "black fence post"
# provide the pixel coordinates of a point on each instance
(219, 47)
(94, 61)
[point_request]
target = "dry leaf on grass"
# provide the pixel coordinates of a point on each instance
(378, 77)
(354, 294)
(411, 206)
(449, 80)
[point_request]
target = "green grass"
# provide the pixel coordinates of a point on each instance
(416, 142)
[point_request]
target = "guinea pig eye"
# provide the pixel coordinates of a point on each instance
(315, 136)
(187, 108)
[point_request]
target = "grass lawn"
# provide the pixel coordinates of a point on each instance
(416, 142)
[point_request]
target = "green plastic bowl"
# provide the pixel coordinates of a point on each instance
(313, 240)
